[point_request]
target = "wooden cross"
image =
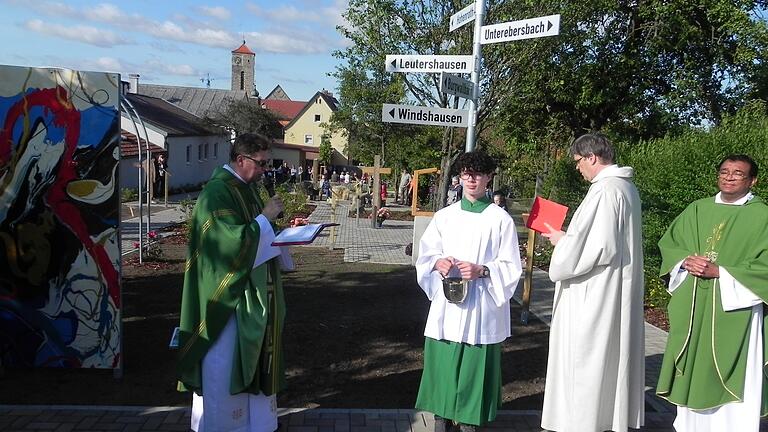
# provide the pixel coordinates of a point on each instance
(376, 170)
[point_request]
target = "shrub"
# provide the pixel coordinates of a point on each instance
(128, 195)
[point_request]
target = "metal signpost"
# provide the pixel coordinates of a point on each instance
(450, 65)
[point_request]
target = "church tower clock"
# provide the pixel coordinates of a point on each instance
(243, 69)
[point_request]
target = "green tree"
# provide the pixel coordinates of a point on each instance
(325, 151)
(244, 116)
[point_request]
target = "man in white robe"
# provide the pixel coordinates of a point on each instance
(596, 369)
(477, 242)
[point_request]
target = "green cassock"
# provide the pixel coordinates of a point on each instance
(220, 280)
(705, 360)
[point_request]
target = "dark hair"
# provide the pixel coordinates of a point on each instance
(248, 144)
(476, 161)
(594, 144)
(499, 193)
(741, 158)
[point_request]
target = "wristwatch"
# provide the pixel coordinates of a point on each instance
(486, 272)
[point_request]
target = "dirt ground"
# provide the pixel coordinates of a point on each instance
(353, 339)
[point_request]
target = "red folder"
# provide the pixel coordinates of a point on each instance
(546, 211)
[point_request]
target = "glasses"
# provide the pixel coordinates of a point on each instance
(576, 161)
(738, 175)
(262, 163)
(466, 175)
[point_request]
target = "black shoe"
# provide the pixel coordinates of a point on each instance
(467, 428)
(441, 424)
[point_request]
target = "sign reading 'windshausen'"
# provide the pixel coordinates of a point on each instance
(523, 29)
(429, 63)
(411, 114)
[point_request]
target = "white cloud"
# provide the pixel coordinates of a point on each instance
(203, 36)
(84, 34)
(217, 12)
(287, 42)
(162, 67)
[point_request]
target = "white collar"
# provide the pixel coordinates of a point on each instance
(229, 168)
(741, 201)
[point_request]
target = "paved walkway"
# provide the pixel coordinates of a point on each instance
(361, 243)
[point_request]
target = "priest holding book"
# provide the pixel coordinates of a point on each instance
(596, 369)
(232, 310)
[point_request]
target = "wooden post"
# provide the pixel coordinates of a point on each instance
(315, 171)
(528, 281)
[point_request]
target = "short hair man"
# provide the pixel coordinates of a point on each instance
(232, 304)
(476, 242)
(716, 253)
(596, 368)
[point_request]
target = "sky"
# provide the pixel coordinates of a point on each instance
(180, 43)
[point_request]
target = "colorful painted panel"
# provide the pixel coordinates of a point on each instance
(59, 216)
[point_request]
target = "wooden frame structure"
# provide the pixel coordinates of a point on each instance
(415, 190)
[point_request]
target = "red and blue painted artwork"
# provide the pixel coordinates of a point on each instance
(59, 218)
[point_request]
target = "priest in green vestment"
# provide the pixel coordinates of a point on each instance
(716, 253)
(230, 352)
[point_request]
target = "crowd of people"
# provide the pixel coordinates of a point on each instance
(469, 267)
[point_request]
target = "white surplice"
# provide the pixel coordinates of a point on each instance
(741, 416)
(596, 368)
(488, 238)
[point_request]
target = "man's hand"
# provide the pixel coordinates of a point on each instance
(443, 265)
(469, 270)
(701, 266)
(273, 208)
(553, 235)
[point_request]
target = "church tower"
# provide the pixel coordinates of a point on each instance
(243, 69)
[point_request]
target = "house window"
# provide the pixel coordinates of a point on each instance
(199, 152)
(215, 150)
(318, 100)
(206, 151)
(242, 80)
(317, 118)
(308, 139)
(188, 153)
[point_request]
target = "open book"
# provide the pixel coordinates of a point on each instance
(299, 235)
(546, 211)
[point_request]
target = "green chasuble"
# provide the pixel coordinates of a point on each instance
(475, 207)
(220, 280)
(705, 359)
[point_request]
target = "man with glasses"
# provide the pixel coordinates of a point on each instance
(716, 253)
(232, 307)
(475, 244)
(596, 367)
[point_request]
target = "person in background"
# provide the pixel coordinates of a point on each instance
(716, 254)
(160, 166)
(596, 366)
(232, 309)
(405, 187)
(500, 200)
(454, 191)
(476, 242)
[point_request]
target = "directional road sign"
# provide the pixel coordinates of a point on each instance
(462, 17)
(524, 29)
(429, 63)
(456, 85)
(421, 115)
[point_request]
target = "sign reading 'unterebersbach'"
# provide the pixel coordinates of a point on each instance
(429, 63)
(523, 29)
(411, 114)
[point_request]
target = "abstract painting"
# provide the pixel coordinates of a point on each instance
(59, 218)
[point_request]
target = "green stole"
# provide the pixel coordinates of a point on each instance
(475, 207)
(220, 280)
(705, 360)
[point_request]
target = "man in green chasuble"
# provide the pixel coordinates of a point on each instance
(232, 305)
(716, 253)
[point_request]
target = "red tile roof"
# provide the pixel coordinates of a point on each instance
(285, 109)
(243, 49)
(129, 147)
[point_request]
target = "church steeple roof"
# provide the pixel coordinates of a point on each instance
(243, 49)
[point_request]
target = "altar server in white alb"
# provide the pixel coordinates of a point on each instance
(475, 241)
(596, 369)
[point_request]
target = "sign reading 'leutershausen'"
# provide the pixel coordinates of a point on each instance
(429, 63)
(411, 114)
(523, 29)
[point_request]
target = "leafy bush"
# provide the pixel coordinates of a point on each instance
(128, 195)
